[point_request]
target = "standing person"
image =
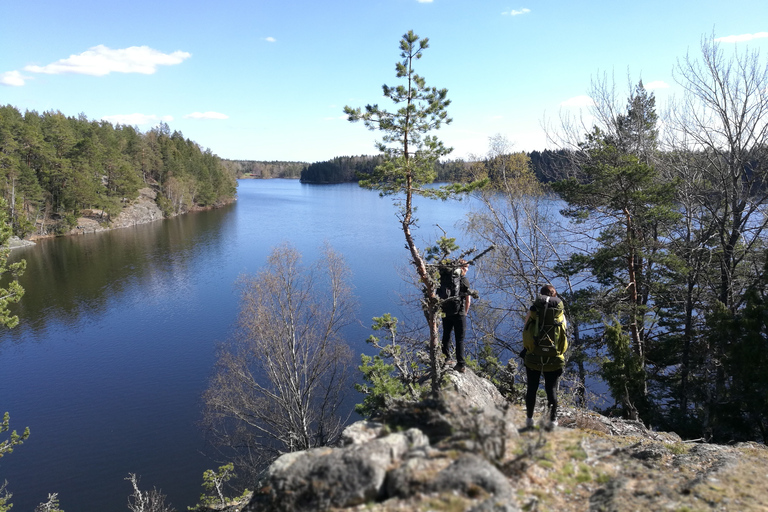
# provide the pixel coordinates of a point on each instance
(545, 343)
(455, 311)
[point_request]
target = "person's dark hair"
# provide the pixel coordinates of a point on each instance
(548, 290)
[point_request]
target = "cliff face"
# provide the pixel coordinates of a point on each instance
(464, 451)
(142, 210)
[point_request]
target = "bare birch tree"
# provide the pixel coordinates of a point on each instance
(722, 124)
(520, 218)
(717, 141)
(279, 384)
(512, 214)
(146, 501)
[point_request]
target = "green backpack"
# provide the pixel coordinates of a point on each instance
(546, 330)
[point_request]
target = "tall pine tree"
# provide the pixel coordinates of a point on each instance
(410, 154)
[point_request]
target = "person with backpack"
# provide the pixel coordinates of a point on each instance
(545, 343)
(455, 295)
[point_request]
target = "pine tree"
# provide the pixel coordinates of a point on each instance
(410, 154)
(623, 193)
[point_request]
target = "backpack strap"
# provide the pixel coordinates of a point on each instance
(543, 316)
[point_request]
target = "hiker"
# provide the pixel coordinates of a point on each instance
(455, 309)
(545, 343)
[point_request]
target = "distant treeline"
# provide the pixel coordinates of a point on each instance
(340, 169)
(52, 167)
(265, 170)
(547, 166)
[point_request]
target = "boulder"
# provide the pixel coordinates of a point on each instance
(439, 446)
(321, 478)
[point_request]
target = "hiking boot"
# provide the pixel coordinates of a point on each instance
(528, 422)
(552, 425)
(460, 368)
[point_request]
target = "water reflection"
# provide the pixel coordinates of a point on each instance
(69, 276)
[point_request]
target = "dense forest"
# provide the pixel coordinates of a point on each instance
(52, 167)
(340, 169)
(265, 170)
(547, 165)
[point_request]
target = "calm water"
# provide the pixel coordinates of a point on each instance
(118, 332)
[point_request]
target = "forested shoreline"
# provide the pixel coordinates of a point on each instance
(262, 169)
(547, 165)
(54, 167)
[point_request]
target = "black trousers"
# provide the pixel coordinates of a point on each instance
(457, 324)
(550, 383)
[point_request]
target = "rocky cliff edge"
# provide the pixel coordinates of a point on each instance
(465, 452)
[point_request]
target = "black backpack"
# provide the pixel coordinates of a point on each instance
(450, 287)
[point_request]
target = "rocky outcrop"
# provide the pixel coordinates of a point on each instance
(440, 447)
(141, 211)
(462, 452)
(15, 242)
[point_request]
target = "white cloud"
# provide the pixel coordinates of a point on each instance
(100, 61)
(578, 101)
(137, 119)
(514, 12)
(206, 115)
(656, 84)
(13, 78)
(270, 39)
(741, 38)
(424, 1)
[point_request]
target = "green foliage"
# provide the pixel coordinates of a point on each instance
(742, 414)
(214, 483)
(489, 366)
(354, 168)
(441, 251)
(392, 374)
(5, 498)
(7, 445)
(382, 385)
(623, 372)
(508, 171)
(12, 292)
(409, 151)
(165, 205)
(9, 295)
(52, 166)
(549, 165)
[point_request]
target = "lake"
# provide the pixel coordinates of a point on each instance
(118, 332)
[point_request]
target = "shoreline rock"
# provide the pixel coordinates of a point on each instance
(142, 210)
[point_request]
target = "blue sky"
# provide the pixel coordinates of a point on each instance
(267, 80)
